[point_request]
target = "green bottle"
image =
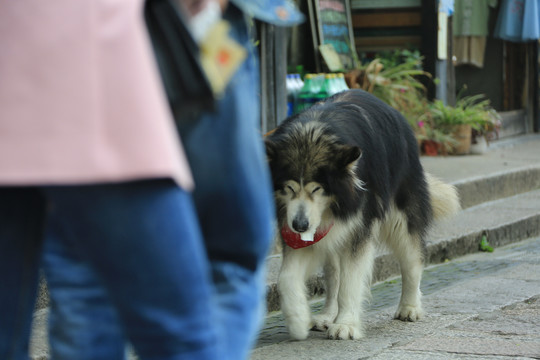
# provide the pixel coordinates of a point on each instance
(333, 85)
(342, 83)
(325, 87)
(306, 96)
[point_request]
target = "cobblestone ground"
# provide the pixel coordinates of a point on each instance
(481, 306)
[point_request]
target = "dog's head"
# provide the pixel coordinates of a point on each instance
(314, 177)
(304, 205)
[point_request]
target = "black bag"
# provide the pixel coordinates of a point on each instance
(177, 56)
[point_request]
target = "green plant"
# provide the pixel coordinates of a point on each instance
(428, 132)
(399, 86)
(394, 58)
(484, 245)
(472, 110)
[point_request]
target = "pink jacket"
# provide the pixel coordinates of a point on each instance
(80, 96)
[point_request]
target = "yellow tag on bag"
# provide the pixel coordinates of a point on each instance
(221, 56)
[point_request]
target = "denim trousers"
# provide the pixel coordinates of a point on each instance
(233, 198)
(137, 243)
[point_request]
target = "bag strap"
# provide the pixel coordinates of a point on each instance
(177, 55)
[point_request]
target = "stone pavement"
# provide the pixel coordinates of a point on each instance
(480, 306)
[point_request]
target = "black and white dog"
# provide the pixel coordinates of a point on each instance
(347, 176)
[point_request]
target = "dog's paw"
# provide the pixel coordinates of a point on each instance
(344, 332)
(298, 329)
(321, 322)
(409, 313)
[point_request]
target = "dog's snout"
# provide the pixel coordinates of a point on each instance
(300, 223)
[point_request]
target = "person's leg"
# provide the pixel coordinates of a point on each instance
(143, 242)
(82, 322)
(233, 198)
(21, 229)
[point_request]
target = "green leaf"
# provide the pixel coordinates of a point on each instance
(484, 245)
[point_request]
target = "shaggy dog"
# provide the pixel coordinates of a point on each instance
(347, 176)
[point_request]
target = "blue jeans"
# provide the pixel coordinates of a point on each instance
(233, 198)
(78, 302)
(144, 248)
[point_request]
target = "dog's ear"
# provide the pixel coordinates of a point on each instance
(348, 155)
(270, 149)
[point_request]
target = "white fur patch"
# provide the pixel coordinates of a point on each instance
(444, 197)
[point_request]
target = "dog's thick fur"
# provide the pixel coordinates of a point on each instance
(351, 161)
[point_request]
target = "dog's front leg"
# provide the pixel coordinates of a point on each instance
(326, 317)
(354, 288)
(292, 289)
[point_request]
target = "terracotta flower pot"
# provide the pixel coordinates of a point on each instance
(430, 147)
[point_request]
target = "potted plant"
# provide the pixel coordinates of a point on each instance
(433, 141)
(471, 113)
(452, 121)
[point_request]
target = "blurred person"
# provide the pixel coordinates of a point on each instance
(234, 211)
(86, 136)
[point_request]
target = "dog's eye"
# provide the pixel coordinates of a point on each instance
(290, 188)
(316, 189)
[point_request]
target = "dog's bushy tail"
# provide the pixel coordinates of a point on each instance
(444, 197)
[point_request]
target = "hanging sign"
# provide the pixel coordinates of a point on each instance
(334, 25)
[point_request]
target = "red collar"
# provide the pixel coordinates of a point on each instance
(294, 240)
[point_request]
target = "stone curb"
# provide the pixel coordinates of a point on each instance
(497, 186)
